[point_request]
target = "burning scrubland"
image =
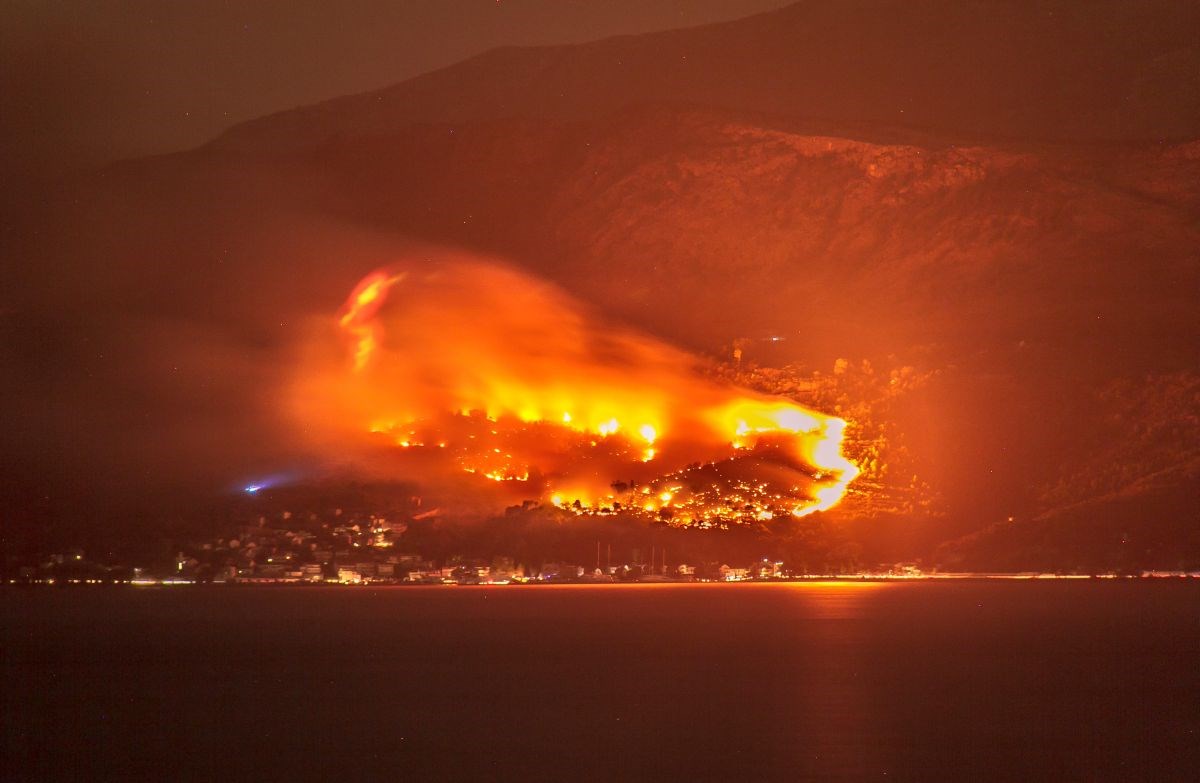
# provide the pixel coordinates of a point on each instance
(468, 369)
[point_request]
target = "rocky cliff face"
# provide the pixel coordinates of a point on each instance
(709, 227)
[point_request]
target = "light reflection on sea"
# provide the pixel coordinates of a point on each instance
(801, 681)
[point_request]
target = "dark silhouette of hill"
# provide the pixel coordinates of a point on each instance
(1047, 70)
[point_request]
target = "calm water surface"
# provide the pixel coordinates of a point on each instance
(891, 681)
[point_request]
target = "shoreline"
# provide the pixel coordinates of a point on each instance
(1153, 576)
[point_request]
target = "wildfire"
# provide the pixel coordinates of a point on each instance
(358, 316)
(487, 371)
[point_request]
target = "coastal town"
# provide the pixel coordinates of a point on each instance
(358, 551)
(369, 549)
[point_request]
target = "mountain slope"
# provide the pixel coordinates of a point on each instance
(167, 299)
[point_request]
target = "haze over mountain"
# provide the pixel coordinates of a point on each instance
(1051, 69)
(1002, 197)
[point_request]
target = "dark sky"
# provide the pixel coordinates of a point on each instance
(87, 82)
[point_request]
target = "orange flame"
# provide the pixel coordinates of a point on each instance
(358, 315)
(470, 337)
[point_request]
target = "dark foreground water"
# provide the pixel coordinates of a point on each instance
(909, 681)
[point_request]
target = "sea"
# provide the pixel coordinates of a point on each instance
(902, 680)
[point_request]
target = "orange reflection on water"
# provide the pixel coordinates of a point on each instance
(836, 600)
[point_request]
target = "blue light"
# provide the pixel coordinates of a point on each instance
(262, 482)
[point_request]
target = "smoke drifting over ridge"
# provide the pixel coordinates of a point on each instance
(470, 366)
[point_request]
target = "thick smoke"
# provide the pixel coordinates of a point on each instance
(469, 366)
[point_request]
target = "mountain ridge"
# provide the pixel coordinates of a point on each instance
(1050, 71)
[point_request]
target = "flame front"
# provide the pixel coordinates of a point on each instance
(487, 371)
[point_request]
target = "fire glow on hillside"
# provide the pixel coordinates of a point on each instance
(470, 367)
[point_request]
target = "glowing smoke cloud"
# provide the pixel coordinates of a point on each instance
(490, 371)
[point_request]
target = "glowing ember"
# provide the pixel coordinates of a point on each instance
(506, 378)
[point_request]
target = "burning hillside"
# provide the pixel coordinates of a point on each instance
(466, 367)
